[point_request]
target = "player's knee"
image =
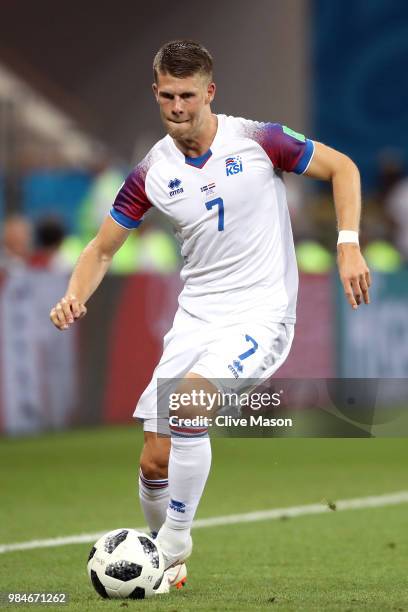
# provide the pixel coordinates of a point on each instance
(153, 468)
(155, 458)
(203, 394)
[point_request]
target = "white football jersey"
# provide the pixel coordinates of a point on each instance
(230, 215)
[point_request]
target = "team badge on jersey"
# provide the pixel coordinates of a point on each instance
(208, 189)
(233, 165)
(174, 186)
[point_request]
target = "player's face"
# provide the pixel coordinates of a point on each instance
(184, 103)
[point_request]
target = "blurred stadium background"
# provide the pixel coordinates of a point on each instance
(76, 111)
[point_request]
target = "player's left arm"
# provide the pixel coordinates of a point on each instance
(330, 165)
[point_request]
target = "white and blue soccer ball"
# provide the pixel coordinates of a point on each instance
(125, 563)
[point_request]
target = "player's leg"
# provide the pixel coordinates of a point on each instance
(154, 493)
(153, 480)
(262, 351)
(189, 466)
(179, 353)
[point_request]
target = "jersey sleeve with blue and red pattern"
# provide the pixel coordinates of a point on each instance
(286, 149)
(131, 202)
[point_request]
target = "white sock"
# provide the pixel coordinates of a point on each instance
(154, 498)
(189, 465)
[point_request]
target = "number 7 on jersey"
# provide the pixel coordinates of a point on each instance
(220, 203)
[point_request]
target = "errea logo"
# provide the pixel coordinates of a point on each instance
(174, 186)
(236, 368)
(178, 506)
(233, 165)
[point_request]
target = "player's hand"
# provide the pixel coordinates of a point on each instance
(354, 274)
(66, 311)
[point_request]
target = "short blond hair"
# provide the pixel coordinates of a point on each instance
(183, 58)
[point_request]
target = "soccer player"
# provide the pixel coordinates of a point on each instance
(219, 180)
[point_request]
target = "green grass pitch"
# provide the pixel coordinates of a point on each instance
(86, 481)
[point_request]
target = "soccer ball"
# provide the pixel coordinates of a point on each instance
(125, 563)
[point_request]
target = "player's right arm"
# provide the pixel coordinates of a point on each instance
(88, 273)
